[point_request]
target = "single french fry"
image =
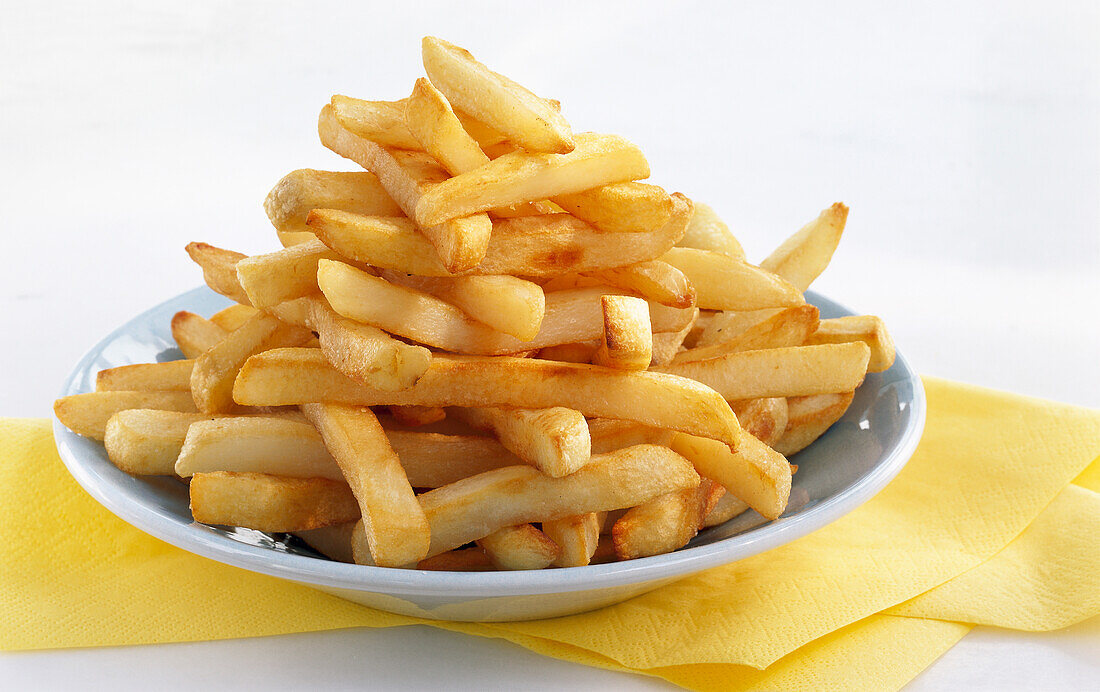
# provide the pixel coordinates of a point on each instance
(532, 246)
(407, 176)
(802, 257)
(270, 503)
(667, 344)
(415, 416)
(432, 460)
(866, 328)
(726, 283)
(654, 280)
(809, 417)
(508, 304)
(174, 375)
(787, 327)
(527, 176)
(286, 274)
(570, 353)
(396, 529)
(379, 121)
(87, 414)
(728, 325)
(665, 523)
(709, 232)
(233, 316)
(476, 507)
(609, 435)
(754, 472)
(577, 536)
(793, 371)
(301, 191)
(569, 316)
(434, 124)
(727, 507)
(194, 334)
(302, 376)
(146, 442)
(519, 115)
(520, 547)
(765, 419)
(219, 269)
(256, 444)
(215, 370)
(621, 207)
(554, 440)
(627, 337)
(334, 542)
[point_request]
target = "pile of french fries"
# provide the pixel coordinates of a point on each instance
(492, 348)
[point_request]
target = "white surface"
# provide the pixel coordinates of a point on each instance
(965, 139)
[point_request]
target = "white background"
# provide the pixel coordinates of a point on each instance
(964, 136)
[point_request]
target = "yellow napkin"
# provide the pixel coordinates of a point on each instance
(989, 464)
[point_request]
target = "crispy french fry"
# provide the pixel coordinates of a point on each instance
(570, 353)
(654, 280)
(476, 507)
(301, 376)
(219, 269)
(277, 277)
(665, 523)
(301, 191)
(728, 325)
(174, 375)
(233, 316)
(809, 417)
(520, 116)
(726, 283)
(520, 547)
(256, 444)
(194, 334)
(527, 176)
(334, 542)
(432, 460)
(378, 121)
(87, 414)
(765, 419)
(531, 246)
(434, 124)
(407, 176)
(667, 344)
(146, 442)
(270, 503)
(866, 328)
(802, 257)
(214, 371)
(627, 337)
(569, 316)
(787, 327)
(709, 232)
(621, 207)
(577, 536)
(415, 416)
(396, 529)
(793, 371)
(727, 507)
(508, 304)
(755, 473)
(554, 440)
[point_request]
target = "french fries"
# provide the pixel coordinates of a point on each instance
(665, 523)
(520, 547)
(555, 440)
(195, 334)
(808, 417)
(576, 536)
(655, 280)
(301, 191)
(87, 414)
(627, 336)
(147, 442)
(621, 207)
(284, 275)
(727, 507)
(270, 503)
(174, 376)
(786, 327)
(754, 472)
(219, 269)
(765, 419)
(725, 283)
(256, 444)
(802, 257)
(866, 328)
(233, 316)
(667, 344)
(434, 124)
(708, 232)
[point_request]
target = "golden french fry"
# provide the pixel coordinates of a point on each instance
(627, 336)
(174, 375)
(709, 232)
(278, 446)
(727, 507)
(609, 435)
(802, 257)
(569, 316)
(397, 532)
(302, 376)
(726, 283)
(432, 460)
(87, 414)
(407, 176)
(577, 536)
(793, 371)
(520, 547)
(415, 416)
(667, 344)
(270, 503)
(233, 316)
(726, 326)
(508, 304)
(214, 371)
(654, 280)
(277, 277)
(378, 121)
(554, 440)
(194, 334)
(527, 176)
(866, 328)
(520, 116)
(754, 472)
(787, 327)
(665, 523)
(809, 417)
(531, 246)
(476, 507)
(765, 419)
(146, 442)
(301, 191)
(620, 207)
(219, 269)
(434, 124)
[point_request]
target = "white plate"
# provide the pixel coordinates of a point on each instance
(843, 469)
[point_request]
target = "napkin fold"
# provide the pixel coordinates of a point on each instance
(981, 527)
